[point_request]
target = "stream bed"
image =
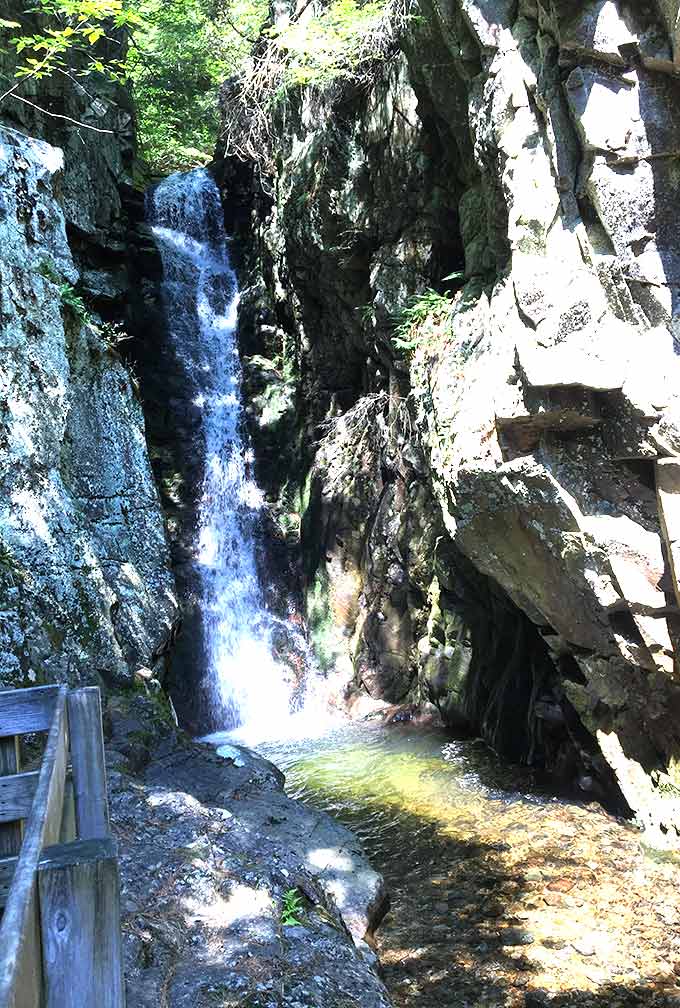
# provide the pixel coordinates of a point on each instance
(501, 894)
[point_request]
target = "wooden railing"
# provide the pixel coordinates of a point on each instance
(60, 944)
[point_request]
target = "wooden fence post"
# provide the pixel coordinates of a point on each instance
(10, 833)
(80, 921)
(87, 763)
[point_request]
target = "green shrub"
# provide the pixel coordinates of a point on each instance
(183, 52)
(10, 566)
(74, 303)
(343, 40)
(176, 53)
(330, 45)
(68, 41)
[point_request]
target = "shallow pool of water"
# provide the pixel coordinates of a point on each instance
(393, 785)
(501, 893)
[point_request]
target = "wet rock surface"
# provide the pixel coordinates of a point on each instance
(208, 849)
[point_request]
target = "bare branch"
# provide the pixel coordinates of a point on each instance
(56, 115)
(353, 443)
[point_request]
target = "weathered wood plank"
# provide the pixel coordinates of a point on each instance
(63, 855)
(67, 834)
(87, 763)
(11, 833)
(27, 710)
(80, 917)
(7, 867)
(18, 938)
(16, 795)
(29, 981)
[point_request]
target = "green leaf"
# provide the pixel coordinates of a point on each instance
(9, 24)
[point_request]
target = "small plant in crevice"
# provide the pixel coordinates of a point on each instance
(70, 299)
(47, 269)
(428, 305)
(292, 908)
(73, 302)
(366, 313)
(113, 332)
(9, 566)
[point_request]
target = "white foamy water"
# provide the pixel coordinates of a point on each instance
(249, 689)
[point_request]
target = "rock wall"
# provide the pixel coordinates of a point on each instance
(86, 594)
(488, 504)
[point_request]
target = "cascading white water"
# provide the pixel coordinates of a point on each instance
(200, 301)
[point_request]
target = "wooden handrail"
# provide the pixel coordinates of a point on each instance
(60, 941)
(27, 710)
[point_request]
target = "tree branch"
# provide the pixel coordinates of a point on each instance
(56, 115)
(248, 38)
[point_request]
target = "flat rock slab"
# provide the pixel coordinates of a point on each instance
(207, 850)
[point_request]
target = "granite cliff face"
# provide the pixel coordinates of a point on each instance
(85, 587)
(489, 508)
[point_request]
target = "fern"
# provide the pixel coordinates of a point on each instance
(72, 301)
(429, 304)
(292, 908)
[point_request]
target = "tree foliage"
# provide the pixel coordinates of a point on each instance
(330, 44)
(69, 37)
(183, 53)
(176, 54)
(321, 42)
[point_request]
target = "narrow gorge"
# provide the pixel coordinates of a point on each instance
(350, 451)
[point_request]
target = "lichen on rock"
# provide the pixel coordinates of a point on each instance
(85, 586)
(87, 595)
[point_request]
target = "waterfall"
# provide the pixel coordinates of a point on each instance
(200, 302)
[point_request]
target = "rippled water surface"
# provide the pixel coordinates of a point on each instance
(396, 784)
(501, 894)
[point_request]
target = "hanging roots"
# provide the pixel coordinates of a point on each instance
(355, 443)
(248, 100)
